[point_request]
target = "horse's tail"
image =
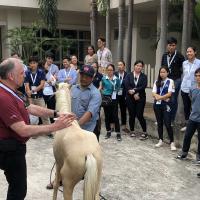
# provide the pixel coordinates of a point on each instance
(91, 178)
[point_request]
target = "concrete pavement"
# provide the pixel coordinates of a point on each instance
(133, 170)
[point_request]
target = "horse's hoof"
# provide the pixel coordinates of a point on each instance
(49, 186)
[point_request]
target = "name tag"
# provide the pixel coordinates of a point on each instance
(33, 88)
(114, 95)
(158, 102)
(120, 92)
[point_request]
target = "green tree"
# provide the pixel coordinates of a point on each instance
(48, 12)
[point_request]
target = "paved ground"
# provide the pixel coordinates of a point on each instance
(133, 170)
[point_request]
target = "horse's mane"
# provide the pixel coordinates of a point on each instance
(63, 99)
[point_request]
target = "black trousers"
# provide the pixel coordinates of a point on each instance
(186, 104)
(136, 109)
(111, 116)
(192, 126)
(122, 106)
(50, 101)
(163, 115)
(13, 163)
(97, 129)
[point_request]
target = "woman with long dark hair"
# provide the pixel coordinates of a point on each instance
(91, 56)
(162, 92)
(135, 84)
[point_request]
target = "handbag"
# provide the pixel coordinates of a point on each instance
(106, 100)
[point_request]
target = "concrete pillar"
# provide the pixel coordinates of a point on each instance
(158, 50)
(134, 39)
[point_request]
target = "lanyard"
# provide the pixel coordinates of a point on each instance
(33, 79)
(136, 79)
(121, 77)
(10, 91)
(67, 74)
(170, 62)
(113, 83)
(190, 68)
(161, 90)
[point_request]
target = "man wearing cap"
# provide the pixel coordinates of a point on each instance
(85, 102)
(86, 99)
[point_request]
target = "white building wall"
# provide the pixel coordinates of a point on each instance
(67, 5)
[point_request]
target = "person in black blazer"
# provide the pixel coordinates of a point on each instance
(121, 74)
(135, 84)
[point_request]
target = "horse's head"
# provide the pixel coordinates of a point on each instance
(63, 99)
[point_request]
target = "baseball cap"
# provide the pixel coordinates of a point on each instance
(87, 70)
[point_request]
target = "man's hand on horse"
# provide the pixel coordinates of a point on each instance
(64, 120)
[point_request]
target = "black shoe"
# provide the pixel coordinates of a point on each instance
(119, 138)
(181, 156)
(198, 175)
(108, 135)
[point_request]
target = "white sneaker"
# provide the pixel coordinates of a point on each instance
(159, 144)
(172, 146)
(183, 129)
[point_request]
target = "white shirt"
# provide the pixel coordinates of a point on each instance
(170, 88)
(188, 75)
(104, 57)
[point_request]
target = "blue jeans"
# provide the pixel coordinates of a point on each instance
(174, 98)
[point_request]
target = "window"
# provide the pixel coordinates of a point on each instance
(64, 42)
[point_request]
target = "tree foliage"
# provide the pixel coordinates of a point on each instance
(102, 6)
(48, 12)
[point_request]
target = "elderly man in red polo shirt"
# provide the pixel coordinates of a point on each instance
(15, 129)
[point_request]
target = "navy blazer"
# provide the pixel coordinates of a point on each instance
(123, 85)
(139, 88)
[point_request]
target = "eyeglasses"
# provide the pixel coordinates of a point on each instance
(197, 75)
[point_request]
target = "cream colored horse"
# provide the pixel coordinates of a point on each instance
(77, 153)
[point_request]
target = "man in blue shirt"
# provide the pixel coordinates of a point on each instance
(86, 99)
(34, 84)
(68, 74)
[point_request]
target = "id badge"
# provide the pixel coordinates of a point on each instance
(114, 95)
(189, 83)
(33, 88)
(158, 102)
(120, 92)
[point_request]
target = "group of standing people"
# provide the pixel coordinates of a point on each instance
(97, 80)
(177, 74)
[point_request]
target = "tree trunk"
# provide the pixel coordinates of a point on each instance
(185, 27)
(163, 26)
(129, 35)
(93, 23)
(108, 34)
(121, 28)
(190, 20)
